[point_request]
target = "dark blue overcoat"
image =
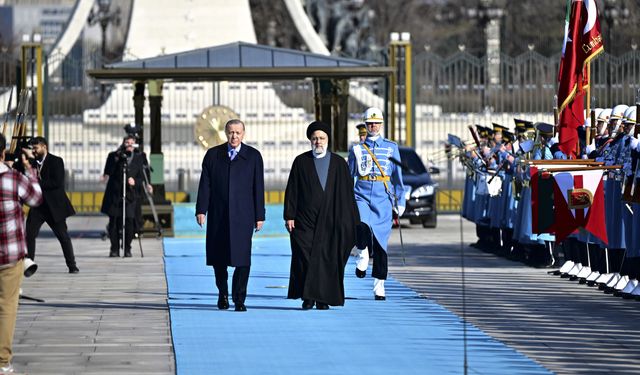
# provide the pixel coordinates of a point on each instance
(231, 194)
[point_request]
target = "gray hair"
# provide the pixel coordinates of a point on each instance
(233, 122)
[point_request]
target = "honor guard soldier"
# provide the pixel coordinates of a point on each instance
(482, 195)
(628, 145)
(612, 155)
(495, 200)
(540, 251)
(379, 191)
(508, 203)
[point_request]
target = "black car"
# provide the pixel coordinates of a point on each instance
(420, 189)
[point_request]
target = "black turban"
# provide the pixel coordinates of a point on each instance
(318, 125)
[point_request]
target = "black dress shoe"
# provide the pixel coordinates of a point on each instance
(114, 254)
(73, 269)
(223, 302)
(380, 298)
(241, 307)
(127, 254)
(322, 306)
(360, 274)
(307, 304)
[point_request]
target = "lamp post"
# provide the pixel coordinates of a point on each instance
(615, 14)
(104, 16)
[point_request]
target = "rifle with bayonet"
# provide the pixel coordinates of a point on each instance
(19, 138)
(635, 165)
(6, 114)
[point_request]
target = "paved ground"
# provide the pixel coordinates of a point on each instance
(567, 327)
(112, 316)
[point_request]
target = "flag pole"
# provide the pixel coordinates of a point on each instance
(588, 131)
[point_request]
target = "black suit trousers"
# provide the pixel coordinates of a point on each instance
(38, 216)
(239, 285)
(365, 238)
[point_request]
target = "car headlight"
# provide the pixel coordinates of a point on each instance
(423, 191)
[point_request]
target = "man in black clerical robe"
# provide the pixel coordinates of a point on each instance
(320, 214)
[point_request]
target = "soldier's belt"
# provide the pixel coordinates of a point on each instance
(374, 178)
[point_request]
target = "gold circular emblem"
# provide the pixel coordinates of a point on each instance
(209, 128)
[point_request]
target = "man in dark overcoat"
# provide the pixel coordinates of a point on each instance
(56, 207)
(231, 200)
(124, 160)
(321, 215)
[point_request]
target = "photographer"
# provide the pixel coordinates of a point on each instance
(56, 207)
(16, 189)
(126, 160)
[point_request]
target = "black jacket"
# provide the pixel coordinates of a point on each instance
(112, 201)
(52, 184)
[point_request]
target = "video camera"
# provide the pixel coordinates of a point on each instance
(133, 129)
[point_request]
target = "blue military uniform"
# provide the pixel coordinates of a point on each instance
(374, 202)
(378, 189)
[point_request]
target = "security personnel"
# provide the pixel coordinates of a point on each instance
(379, 191)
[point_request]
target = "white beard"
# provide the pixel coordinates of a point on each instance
(318, 152)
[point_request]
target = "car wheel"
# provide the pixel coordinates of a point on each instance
(430, 222)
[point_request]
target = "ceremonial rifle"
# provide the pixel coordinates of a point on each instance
(6, 114)
(476, 139)
(556, 114)
(635, 197)
(19, 139)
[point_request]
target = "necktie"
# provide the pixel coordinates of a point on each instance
(232, 153)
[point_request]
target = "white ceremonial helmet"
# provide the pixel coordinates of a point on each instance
(373, 114)
(617, 112)
(604, 115)
(597, 112)
(629, 115)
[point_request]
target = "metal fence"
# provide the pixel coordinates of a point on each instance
(84, 120)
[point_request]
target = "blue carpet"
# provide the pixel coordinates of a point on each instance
(184, 221)
(403, 335)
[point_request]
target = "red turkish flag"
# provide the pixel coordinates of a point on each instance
(583, 41)
(579, 203)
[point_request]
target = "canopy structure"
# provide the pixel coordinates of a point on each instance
(237, 62)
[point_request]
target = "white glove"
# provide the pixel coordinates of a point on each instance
(399, 210)
(590, 148)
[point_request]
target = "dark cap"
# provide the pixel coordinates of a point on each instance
(522, 125)
(544, 128)
(508, 136)
(318, 125)
(497, 128)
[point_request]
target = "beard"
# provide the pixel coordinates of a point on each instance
(318, 150)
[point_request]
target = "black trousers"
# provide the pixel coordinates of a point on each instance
(239, 283)
(364, 238)
(35, 219)
(115, 233)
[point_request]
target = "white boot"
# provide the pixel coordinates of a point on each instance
(631, 285)
(566, 266)
(378, 289)
(362, 262)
